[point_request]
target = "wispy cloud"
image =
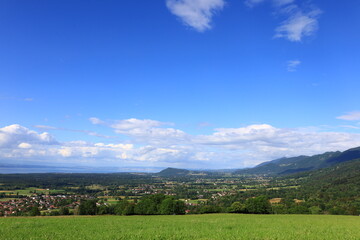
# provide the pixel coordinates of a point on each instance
(300, 21)
(280, 3)
(292, 65)
(197, 14)
(253, 3)
(11, 98)
(203, 124)
(350, 126)
(351, 116)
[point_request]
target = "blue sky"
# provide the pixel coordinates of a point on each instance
(181, 83)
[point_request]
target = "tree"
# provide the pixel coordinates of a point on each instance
(315, 210)
(87, 207)
(179, 207)
(34, 211)
(64, 211)
(124, 208)
(337, 211)
(209, 209)
(149, 205)
(171, 206)
(258, 205)
(103, 210)
(237, 207)
(299, 209)
(129, 209)
(146, 207)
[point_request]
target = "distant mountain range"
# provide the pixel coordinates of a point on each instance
(282, 166)
(298, 164)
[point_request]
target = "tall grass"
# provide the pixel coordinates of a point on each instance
(194, 227)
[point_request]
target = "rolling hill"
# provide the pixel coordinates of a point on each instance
(173, 172)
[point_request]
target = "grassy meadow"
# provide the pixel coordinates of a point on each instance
(213, 226)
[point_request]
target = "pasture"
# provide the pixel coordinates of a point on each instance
(211, 226)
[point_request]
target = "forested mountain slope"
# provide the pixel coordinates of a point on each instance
(302, 163)
(340, 181)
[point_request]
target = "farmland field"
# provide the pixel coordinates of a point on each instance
(214, 226)
(29, 191)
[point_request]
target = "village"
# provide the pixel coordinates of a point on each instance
(45, 203)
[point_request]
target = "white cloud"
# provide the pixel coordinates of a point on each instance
(81, 149)
(256, 143)
(250, 145)
(195, 13)
(24, 145)
(128, 124)
(115, 146)
(292, 65)
(351, 116)
(15, 135)
(95, 120)
(153, 154)
(267, 136)
(224, 147)
(133, 123)
(225, 136)
(45, 127)
(66, 151)
(145, 130)
(298, 25)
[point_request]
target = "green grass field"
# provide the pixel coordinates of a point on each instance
(194, 227)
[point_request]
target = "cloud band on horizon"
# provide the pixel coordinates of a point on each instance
(151, 142)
